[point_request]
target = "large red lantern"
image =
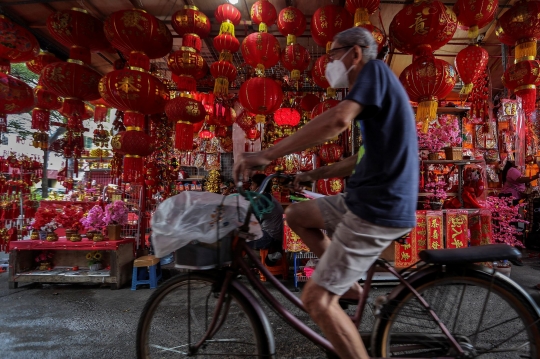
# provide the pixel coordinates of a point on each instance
(134, 145)
(184, 112)
(189, 66)
(422, 27)
(377, 34)
(522, 78)
(330, 186)
(323, 106)
(522, 22)
(15, 97)
(287, 117)
(261, 95)
(224, 72)
(139, 34)
(503, 37)
(426, 81)
(291, 23)
(264, 14)
(471, 62)
(16, 44)
(296, 59)
(330, 153)
(45, 102)
(192, 24)
(261, 50)
(309, 101)
(226, 45)
(327, 22)
(38, 63)
(229, 17)
(319, 77)
(475, 14)
(362, 9)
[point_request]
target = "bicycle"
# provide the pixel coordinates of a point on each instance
(422, 317)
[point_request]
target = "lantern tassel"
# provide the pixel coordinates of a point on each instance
(225, 56)
(472, 33)
(465, 90)
(260, 118)
(328, 46)
(426, 111)
(183, 138)
(525, 49)
(221, 86)
(227, 27)
(291, 39)
(295, 75)
(361, 17)
(259, 70)
(192, 40)
(331, 92)
(528, 97)
(133, 167)
(185, 83)
(263, 27)
(100, 113)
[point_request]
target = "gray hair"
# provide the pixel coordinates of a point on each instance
(361, 37)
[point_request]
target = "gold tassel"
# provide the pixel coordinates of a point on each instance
(295, 74)
(260, 118)
(331, 92)
(426, 111)
(263, 27)
(328, 46)
(291, 39)
(221, 86)
(466, 89)
(525, 50)
(227, 27)
(472, 33)
(259, 70)
(225, 56)
(361, 16)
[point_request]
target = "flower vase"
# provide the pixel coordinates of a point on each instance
(436, 206)
(95, 266)
(34, 235)
(113, 232)
(52, 237)
(98, 237)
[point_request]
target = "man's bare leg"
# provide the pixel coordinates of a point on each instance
(336, 325)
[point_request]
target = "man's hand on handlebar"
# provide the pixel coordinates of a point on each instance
(301, 179)
(247, 163)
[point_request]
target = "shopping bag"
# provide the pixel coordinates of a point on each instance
(193, 216)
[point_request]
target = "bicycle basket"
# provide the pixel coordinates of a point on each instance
(203, 256)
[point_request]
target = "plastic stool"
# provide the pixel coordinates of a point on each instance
(281, 267)
(146, 270)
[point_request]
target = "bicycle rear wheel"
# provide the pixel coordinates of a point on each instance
(179, 312)
(488, 316)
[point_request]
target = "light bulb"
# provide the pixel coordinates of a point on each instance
(234, 2)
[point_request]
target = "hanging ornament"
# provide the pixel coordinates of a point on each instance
(309, 101)
(45, 102)
(101, 136)
(330, 186)
(188, 66)
(330, 153)
(323, 106)
(362, 9)
(319, 76)
(470, 63)
(16, 44)
(522, 23)
(264, 14)
(184, 112)
(474, 15)
(192, 24)
(296, 59)
(37, 64)
(522, 78)
(15, 97)
(134, 145)
(261, 51)
(229, 17)
(291, 23)
(327, 22)
(101, 109)
(260, 95)
(287, 118)
(246, 120)
(224, 72)
(212, 181)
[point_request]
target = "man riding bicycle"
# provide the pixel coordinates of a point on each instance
(380, 200)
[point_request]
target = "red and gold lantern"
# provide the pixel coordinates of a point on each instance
(330, 153)
(16, 44)
(38, 63)
(15, 97)
(309, 101)
(323, 106)
(184, 112)
(296, 59)
(319, 76)
(503, 37)
(246, 120)
(192, 24)
(264, 14)
(475, 14)
(134, 145)
(224, 72)
(471, 62)
(226, 45)
(330, 186)
(362, 9)
(426, 81)
(261, 95)
(189, 66)
(327, 22)
(261, 50)
(229, 17)
(522, 78)
(253, 134)
(291, 23)
(423, 27)
(287, 117)
(522, 22)
(45, 102)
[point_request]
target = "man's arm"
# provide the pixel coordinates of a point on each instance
(339, 169)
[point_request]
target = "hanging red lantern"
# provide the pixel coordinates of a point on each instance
(246, 120)
(221, 131)
(43, 59)
(16, 44)
(471, 62)
(522, 22)
(323, 106)
(377, 34)
(327, 22)
(287, 117)
(15, 97)
(139, 34)
(319, 76)
(184, 112)
(362, 9)
(79, 31)
(192, 24)
(503, 37)
(226, 45)
(206, 134)
(229, 17)
(296, 59)
(522, 78)
(426, 81)
(253, 134)
(422, 27)
(330, 186)
(264, 14)
(309, 101)
(101, 108)
(261, 95)
(474, 15)
(134, 145)
(330, 153)
(261, 50)
(291, 23)
(224, 72)
(189, 66)
(45, 102)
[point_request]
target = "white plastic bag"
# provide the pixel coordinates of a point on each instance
(191, 216)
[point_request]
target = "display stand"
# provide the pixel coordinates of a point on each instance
(117, 255)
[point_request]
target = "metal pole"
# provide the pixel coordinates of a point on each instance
(504, 60)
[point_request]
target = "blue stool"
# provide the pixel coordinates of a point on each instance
(146, 270)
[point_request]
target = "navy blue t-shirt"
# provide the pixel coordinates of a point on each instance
(384, 187)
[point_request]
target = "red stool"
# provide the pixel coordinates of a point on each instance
(281, 267)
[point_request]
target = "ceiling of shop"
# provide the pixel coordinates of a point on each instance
(33, 15)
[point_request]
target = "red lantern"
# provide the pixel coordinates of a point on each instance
(291, 23)
(426, 80)
(422, 27)
(253, 134)
(224, 72)
(323, 106)
(40, 61)
(192, 24)
(522, 78)
(327, 22)
(134, 145)
(261, 96)
(471, 62)
(330, 152)
(296, 59)
(522, 22)
(261, 50)
(79, 31)
(15, 97)
(221, 131)
(377, 34)
(101, 108)
(229, 17)
(362, 9)
(189, 66)
(184, 111)
(475, 14)
(319, 76)
(330, 186)
(206, 134)
(45, 102)
(309, 101)
(16, 44)
(287, 117)
(227, 45)
(264, 14)
(503, 37)
(139, 34)
(246, 120)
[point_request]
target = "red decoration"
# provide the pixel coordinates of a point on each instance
(291, 23)
(330, 153)
(88, 111)
(226, 43)
(330, 186)
(426, 80)
(100, 110)
(287, 117)
(134, 145)
(323, 106)
(327, 22)
(40, 61)
(423, 27)
(189, 66)
(522, 78)
(319, 76)
(253, 134)
(229, 17)
(45, 101)
(309, 101)
(15, 96)
(16, 44)
(377, 34)
(246, 120)
(522, 22)
(261, 50)
(261, 96)
(206, 134)
(471, 62)
(503, 37)
(184, 111)
(224, 72)
(362, 9)
(192, 24)
(264, 14)
(475, 14)
(296, 59)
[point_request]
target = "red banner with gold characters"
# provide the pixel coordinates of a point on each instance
(434, 221)
(406, 254)
(456, 228)
(421, 231)
(291, 240)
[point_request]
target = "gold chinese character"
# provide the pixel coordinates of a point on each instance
(457, 243)
(405, 256)
(435, 245)
(419, 25)
(126, 85)
(406, 246)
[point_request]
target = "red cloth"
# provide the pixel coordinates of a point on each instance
(64, 244)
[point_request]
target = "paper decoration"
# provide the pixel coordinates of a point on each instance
(456, 228)
(434, 221)
(291, 240)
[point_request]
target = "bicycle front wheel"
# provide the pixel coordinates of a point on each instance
(179, 313)
(488, 316)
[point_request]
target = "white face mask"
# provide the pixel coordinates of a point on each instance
(336, 73)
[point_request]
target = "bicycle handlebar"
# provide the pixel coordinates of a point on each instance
(240, 185)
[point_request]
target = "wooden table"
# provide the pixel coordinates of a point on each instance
(118, 255)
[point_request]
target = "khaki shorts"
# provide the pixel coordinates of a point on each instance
(356, 244)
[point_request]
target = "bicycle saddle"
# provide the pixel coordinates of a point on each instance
(485, 253)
